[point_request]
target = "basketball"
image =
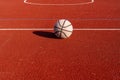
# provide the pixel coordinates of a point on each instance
(63, 28)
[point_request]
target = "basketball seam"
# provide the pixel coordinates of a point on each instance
(65, 34)
(63, 29)
(67, 26)
(63, 23)
(66, 30)
(59, 24)
(60, 27)
(61, 33)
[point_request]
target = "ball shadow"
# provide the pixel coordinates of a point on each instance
(45, 34)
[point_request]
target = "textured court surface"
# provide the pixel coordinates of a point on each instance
(39, 55)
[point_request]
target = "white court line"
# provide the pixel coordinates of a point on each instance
(45, 29)
(31, 3)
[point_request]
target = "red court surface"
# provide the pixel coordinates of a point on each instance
(91, 53)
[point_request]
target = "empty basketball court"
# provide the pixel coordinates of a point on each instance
(29, 50)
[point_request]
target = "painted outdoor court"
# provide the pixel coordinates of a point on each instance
(29, 50)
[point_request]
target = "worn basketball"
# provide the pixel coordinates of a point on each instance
(63, 28)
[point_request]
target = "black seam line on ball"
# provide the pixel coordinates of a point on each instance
(67, 26)
(59, 24)
(63, 23)
(67, 30)
(64, 29)
(57, 28)
(62, 26)
(64, 34)
(60, 33)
